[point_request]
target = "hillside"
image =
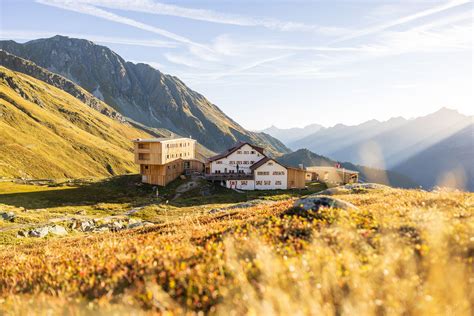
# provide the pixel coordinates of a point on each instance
(449, 162)
(47, 133)
(139, 92)
(366, 174)
(393, 251)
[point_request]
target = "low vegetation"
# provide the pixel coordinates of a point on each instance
(400, 252)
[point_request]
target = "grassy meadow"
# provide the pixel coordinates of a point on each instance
(400, 252)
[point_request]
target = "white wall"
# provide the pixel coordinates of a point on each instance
(243, 155)
(241, 184)
(271, 167)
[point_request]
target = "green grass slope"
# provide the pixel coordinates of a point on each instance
(47, 133)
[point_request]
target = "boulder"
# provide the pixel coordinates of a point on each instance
(8, 216)
(39, 232)
(315, 202)
(57, 230)
(87, 226)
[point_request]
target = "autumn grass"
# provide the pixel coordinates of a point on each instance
(401, 252)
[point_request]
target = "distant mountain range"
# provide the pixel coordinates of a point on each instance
(290, 135)
(307, 158)
(449, 162)
(139, 92)
(399, 144)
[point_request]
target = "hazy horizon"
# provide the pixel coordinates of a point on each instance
(287, 65)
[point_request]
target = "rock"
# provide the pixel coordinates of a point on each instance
(81, 212)
(39, 232)
(116, 226)
(57, 230)
(8, 216)
(87, 226)
(314, 203)
(22, 233)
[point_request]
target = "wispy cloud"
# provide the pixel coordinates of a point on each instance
(399, 21)
(86, 8)
(158, 8)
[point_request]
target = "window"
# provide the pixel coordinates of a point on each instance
(277, 182)
(219, 162)
(239, 152)
(278, 173)
(169, 167)
(270, 163)
(252, 162)
(246, 162)
(243, 182)
(258, 182)
(267, 182)
(167, 156)
(246, 152)
(263, 173)
(146, 167)
(252, 152)
(143, 146)
(143, 156)
(239, 162)
(231, 162)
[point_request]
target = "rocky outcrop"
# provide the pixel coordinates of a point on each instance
(86, 225)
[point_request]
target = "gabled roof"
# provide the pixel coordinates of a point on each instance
(263, 161)
(235, 148)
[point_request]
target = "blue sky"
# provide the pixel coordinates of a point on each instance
(283, 63)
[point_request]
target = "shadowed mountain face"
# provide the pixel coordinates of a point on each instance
(139, 91)
(289, 135)
(384, 144)
(366, 174)
(447, 163)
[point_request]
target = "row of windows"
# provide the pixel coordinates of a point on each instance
(267, 182)
(267, 173)
(220, 162)
(177, 156)
(241, 162)
(245, 152)
(178, 145)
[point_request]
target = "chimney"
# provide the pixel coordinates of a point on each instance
(301, 166)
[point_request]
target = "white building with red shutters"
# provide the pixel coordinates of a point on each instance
(246, 167)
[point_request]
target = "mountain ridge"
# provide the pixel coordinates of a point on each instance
(139, 91)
